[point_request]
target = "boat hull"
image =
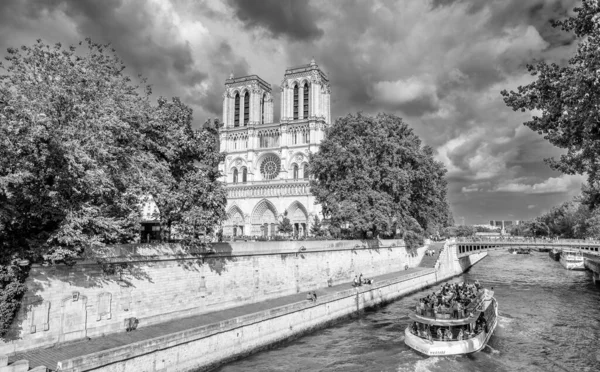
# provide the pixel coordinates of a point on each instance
(440, 348)
(571, 262)
(573, 265)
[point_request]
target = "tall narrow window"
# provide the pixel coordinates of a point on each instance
(305, 171)
(263, 102)
(244, 175)
(235, 176)
(236, 116)
(296, 102)
(305, 101)
(307, 136)
(246, 108)
(295, 172)
(295, 138)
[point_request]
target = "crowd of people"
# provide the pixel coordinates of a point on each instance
(453, 300)
(454, 333)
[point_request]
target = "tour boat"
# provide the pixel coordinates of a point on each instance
(572, 260)
(436, 333)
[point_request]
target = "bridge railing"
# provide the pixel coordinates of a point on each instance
(519, 239)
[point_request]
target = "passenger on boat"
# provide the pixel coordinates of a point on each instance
(448, 334)
(440, 334)
(461, 335)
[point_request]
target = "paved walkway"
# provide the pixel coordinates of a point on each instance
(51, 356)
(429, 261)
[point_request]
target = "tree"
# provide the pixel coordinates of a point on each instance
(537, 227)
(73, 158)
(285, 225)
(373, 175)
(80, 145)
(315, 229)
(568, 97)
(187, 192)
(464, 230)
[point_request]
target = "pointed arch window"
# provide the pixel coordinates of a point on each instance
(246, 108)
(295, 171)
(305, 102)
(236, 116)
(296, 101)
(305, 171)
(244, 175)
(235, 175)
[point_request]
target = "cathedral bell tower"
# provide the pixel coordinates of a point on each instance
(305, 94)
(247, 101)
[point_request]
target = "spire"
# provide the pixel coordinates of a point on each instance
(312, 62)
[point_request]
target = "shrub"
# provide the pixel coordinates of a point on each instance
(12, 290)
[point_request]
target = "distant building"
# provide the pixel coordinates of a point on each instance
(504, 224)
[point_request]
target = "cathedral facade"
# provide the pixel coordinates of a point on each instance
(266, 167)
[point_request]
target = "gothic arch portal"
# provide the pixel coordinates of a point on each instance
(234, 225)
(235, 215)
(297, 213)
(264, 219)
(298, 216)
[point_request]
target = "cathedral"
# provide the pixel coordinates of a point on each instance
(266, 167)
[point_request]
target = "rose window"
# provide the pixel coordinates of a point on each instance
(269, 168)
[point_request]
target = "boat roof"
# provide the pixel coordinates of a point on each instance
(445, 322)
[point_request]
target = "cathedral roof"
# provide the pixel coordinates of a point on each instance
(307, 68)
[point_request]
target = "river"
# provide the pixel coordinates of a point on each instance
(549, 321)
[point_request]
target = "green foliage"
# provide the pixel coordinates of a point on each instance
(187, 192)
(80, 145)
(372, 175)
(72, 156)
(285, 225)
(461, 231)
(567, 97)
(12, 290)
(316, 228)
(413, 240)
(573, 219)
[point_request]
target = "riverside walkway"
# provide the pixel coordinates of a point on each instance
(50, 357)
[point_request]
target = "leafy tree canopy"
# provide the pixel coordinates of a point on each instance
(373, 174)
(568, 97)
(80, 144)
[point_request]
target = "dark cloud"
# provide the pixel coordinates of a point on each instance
(295, 19)
(224, 62)
(439, 64)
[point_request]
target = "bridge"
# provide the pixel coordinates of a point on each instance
(590, 249)
(468, 246)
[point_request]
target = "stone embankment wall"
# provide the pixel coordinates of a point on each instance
(204, 347)
(154, 283)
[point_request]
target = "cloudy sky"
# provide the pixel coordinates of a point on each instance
(439, 64)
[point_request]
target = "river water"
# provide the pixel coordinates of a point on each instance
(549, 321)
